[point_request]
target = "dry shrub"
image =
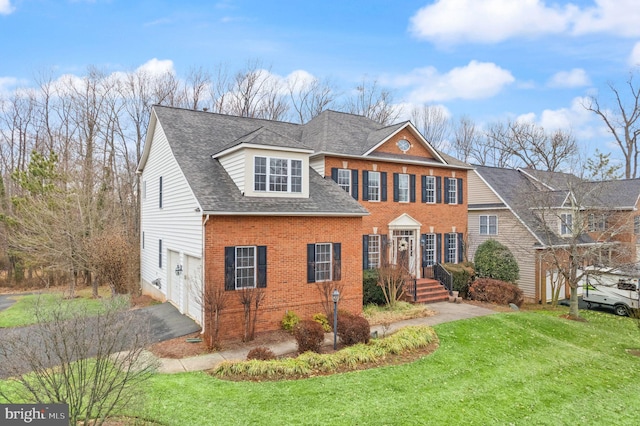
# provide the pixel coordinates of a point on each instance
(495, 291)
(353, 329)
(261, 353)
(309, 336)
(110, 258)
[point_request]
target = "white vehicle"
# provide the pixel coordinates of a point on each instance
(612, 288)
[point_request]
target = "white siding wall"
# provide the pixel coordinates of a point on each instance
(512, 234)
(234, 164)
(317, 164)
(177, 223)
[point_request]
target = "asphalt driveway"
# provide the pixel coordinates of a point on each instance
(163, 321)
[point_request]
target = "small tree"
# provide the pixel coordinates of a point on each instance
(95, 364)
(391, 279)
(250, 298)
(213, 300)
(495, 260)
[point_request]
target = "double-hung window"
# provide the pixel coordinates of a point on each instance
(452, 248)
(373, 251)
(597, 222)
(488, 225)
(566, 224)
(429, 250)
(245, 267)
(344, 179)
(277, 174)
(430, 189)
(374, 186)
(403, 188)
(323, 262)
(452, 190)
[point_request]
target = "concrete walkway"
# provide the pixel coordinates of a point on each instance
(444, 312)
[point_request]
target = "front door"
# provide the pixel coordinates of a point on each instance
(404, 249)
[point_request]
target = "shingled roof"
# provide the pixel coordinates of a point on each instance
(519, 193)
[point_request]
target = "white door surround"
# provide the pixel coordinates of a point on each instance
(404, 233)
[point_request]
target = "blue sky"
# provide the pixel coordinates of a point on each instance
(487, 59)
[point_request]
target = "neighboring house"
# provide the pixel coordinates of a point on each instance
(509, 205)
(235, 203)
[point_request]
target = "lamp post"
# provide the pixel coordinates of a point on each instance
(335, 296)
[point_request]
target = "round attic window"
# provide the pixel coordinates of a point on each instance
(404, 145)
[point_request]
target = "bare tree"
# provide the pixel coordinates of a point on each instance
(325, 288)
(95, 364)
(372, 102)
(213, 300)
(309, 98)
(466, 139)
(433, 122)
(623, 122)
(527, 144)
(565, 227)
(250, 298)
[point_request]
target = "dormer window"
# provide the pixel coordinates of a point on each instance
(277, 175)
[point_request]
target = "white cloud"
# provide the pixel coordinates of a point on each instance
(477, 80)
(6, 8)
(491, 21)
(576, 77)
(157, 67)
(584, 124)
(634, 58)
(487, 21)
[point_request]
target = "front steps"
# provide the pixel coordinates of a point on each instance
(427, 291)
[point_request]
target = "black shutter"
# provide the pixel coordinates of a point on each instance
(460, 198)
(438, 189)
(365, 252)
(311, 263)
(383, 186)
(446, 248)
(334, 174)
(424, 189)
(354, 184)
(439, 248)
(365, 185)
(384, 251)
(460, 248)
(229, 268)
(423, 244)
(412, 188)
(337, 261)
(396, 189)
(159, 253)
(446, 190)
(160, 193)
(262, 267)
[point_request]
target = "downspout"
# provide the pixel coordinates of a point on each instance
(204, 263)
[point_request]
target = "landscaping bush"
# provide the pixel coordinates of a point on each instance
(462, 276)
(494, 260)
(371, 291)
(323, 321)
(353, 329)
(289, 320)
(309, 336)
(496, 291)
(261, 353)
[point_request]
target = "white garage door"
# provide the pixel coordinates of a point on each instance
(193, 287)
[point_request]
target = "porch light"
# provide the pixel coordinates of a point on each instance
(335, 296)
(179, 270)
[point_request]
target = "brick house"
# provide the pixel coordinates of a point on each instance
(239, 203)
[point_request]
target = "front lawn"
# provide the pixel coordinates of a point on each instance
(508, 368)
(22, 312)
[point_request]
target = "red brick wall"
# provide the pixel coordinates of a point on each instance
(441, 216)
(417, 148)
(286, 239)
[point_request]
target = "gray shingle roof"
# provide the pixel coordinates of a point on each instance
(194, 136)
(523, 197)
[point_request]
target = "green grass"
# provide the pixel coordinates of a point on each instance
(22, 312)
(513, 368)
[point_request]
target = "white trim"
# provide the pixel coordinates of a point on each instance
(329, 262)
(400, 189)
(393, 160)
(245, 145)
(417, 135)
(488, 224)
(434, 189)
(379, 174)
